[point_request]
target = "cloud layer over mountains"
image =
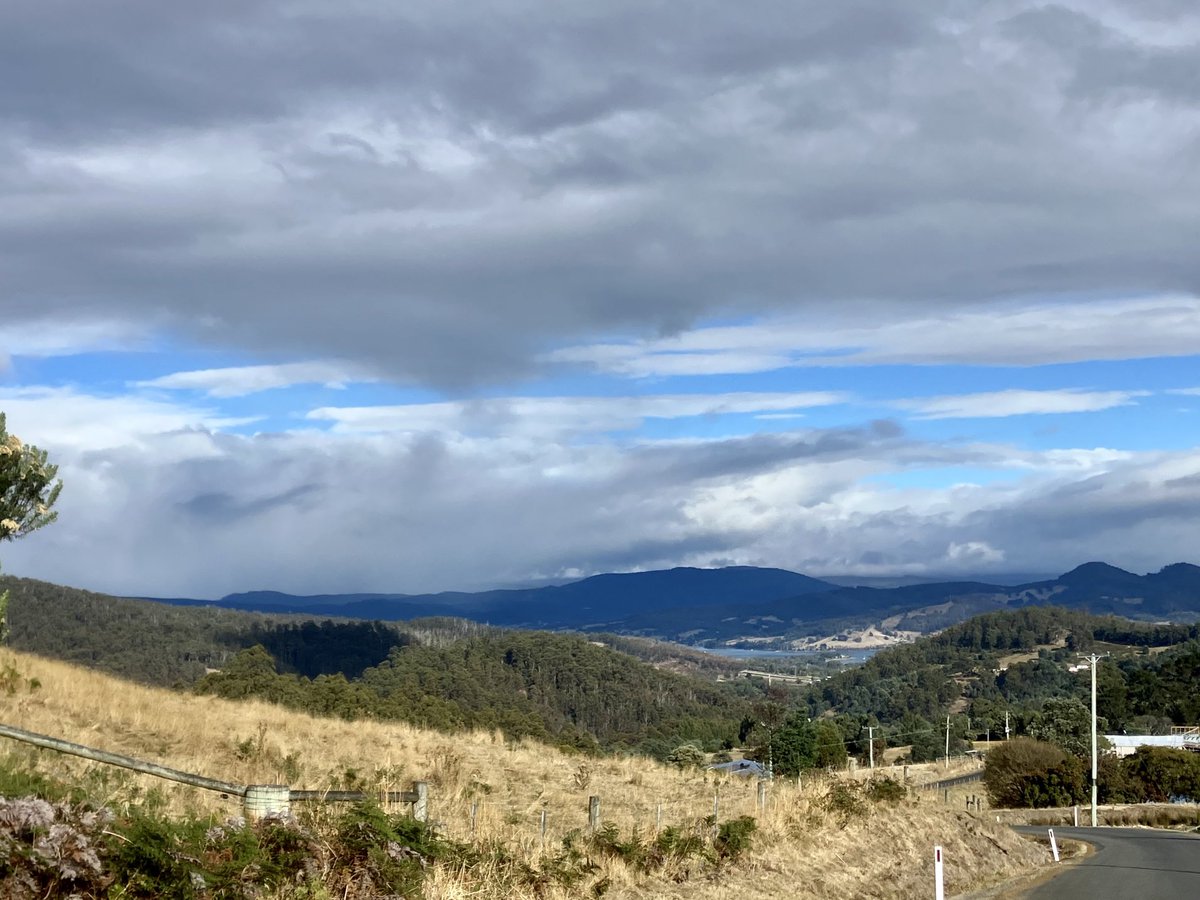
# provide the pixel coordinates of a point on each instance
(532, 289)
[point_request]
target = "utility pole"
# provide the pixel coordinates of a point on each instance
(1094, 660)
(947, 742)
(871, 742)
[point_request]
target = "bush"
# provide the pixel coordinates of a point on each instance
(1024, 773)
(886, 790)
(392, 851)
(50, 850)
(734, 837)
(843, 801)
(687, 756)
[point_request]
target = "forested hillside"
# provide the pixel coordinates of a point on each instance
(1014, 662)
(444, 673)
(555, 687)
(168, 645)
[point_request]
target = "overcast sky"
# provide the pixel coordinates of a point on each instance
(334, 295)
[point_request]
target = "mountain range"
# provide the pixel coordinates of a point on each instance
(753, 603)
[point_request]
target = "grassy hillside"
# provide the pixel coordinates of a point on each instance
(446, 673)
(804, 844)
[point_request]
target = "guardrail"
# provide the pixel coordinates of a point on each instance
(258, 800)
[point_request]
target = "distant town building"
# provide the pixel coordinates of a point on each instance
(1128, 744)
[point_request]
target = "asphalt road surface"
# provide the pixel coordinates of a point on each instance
(1128, 863)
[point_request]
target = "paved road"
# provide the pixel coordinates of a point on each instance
(1129, 863)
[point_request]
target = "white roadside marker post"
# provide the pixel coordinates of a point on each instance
(1053, 844)
(939, 890)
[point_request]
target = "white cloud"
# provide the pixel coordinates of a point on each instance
(239, 381)
(996, 335)
(972, 553)
(54, 337)
(474, 493)
(516, 416)
(1000, 404)
(148, 511)
(67, 420)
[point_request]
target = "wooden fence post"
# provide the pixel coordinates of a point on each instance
(762, 796)
(658, 818)
(474, 813)
(421, 804)
(593, 812)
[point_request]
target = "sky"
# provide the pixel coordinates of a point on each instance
(345, 295)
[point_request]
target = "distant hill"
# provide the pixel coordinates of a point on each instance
(749, 603)
(594, 602)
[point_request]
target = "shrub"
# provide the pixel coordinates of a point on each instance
(843, 801)
(392, 851)
(734, 837)
(687, 756)
(1024, 773)
(50, 850)
(886, 790)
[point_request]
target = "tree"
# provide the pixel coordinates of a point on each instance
(1068, 723)
(27, 486)
(27, 491)
(1162, 774)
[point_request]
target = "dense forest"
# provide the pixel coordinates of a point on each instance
(559, 688)
(164, 644)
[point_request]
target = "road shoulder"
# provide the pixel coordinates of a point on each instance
(1071, 851)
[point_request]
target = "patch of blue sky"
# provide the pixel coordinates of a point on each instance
(108, 371)
(1161, 420)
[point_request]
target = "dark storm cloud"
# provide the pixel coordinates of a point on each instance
(443, 190)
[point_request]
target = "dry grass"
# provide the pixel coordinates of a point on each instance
(800, 850)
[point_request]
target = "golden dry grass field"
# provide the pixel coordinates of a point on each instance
(800, 849)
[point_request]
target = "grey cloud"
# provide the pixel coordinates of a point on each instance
(221, 507)
(690, 463)
(310, 513)
(445, 190)
(1106, 62)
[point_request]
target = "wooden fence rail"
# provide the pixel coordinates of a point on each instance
(258, 800)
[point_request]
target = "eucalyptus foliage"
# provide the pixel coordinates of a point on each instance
(28, 490)
(28, 486)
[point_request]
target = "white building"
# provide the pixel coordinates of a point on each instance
(1127, 744)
